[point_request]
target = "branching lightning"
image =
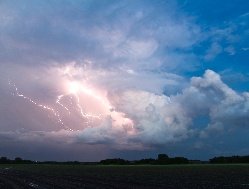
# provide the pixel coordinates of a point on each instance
(82, 100)
(73, 92)
(54, 112)
(58, 102)
(86, 115)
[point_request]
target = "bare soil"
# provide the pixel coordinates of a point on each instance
(123, 177)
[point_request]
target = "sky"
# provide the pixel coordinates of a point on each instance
(88, 79)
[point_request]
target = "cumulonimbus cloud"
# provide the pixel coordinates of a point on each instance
(129, 61)
(156, 118)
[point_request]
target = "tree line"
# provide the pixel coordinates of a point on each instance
(162, 159)
(231, 159)
(17, 160)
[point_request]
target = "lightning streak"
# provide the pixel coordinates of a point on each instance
(75, 90)
(58, 102)
(86, 116)
(56, 114)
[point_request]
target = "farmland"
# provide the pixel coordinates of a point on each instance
(126, 176)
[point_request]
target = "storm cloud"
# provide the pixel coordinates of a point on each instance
(114, 75)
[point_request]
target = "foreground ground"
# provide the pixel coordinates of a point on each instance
(91, 176)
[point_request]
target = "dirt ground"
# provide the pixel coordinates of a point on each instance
(124, 177)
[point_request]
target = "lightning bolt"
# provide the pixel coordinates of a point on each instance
(89, 118)
(45, 107)
(85, 115)
(58, 102)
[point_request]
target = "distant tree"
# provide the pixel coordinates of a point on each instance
(231, 159)
(163, 159)
(71, 162)
(4, 160)
(178, 160)
(18, 159)
(146, 161)
(115, 161)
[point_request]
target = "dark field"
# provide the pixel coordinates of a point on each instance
(97, 176)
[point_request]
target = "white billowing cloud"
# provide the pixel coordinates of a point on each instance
(161, 119)
(209, 96)
(157, 119)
